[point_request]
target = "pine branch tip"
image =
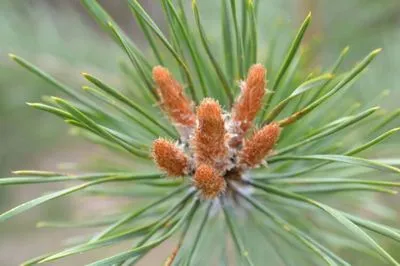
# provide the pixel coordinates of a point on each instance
(218, 140)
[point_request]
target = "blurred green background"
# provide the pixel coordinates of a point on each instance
(62, 39)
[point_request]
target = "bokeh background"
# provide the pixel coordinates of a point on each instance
(61, 38)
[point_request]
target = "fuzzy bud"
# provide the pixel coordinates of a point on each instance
(174, 102)
(170, 158)
(250, 99)
(209, 139)
(259, 145)
(207, 180)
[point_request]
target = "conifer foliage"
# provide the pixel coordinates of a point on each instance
(231, 167)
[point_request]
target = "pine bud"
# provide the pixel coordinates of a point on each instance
(207, 180)
(173, 100)
(250, 99)
(209, 139)
(170, 158)
(259, 145)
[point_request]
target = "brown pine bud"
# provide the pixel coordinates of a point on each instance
(169, 158)
(259, 145)
(250, 99)
(209, 140)
(174, 102)
(207, 180)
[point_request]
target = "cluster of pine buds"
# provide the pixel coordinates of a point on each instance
(216, 147)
